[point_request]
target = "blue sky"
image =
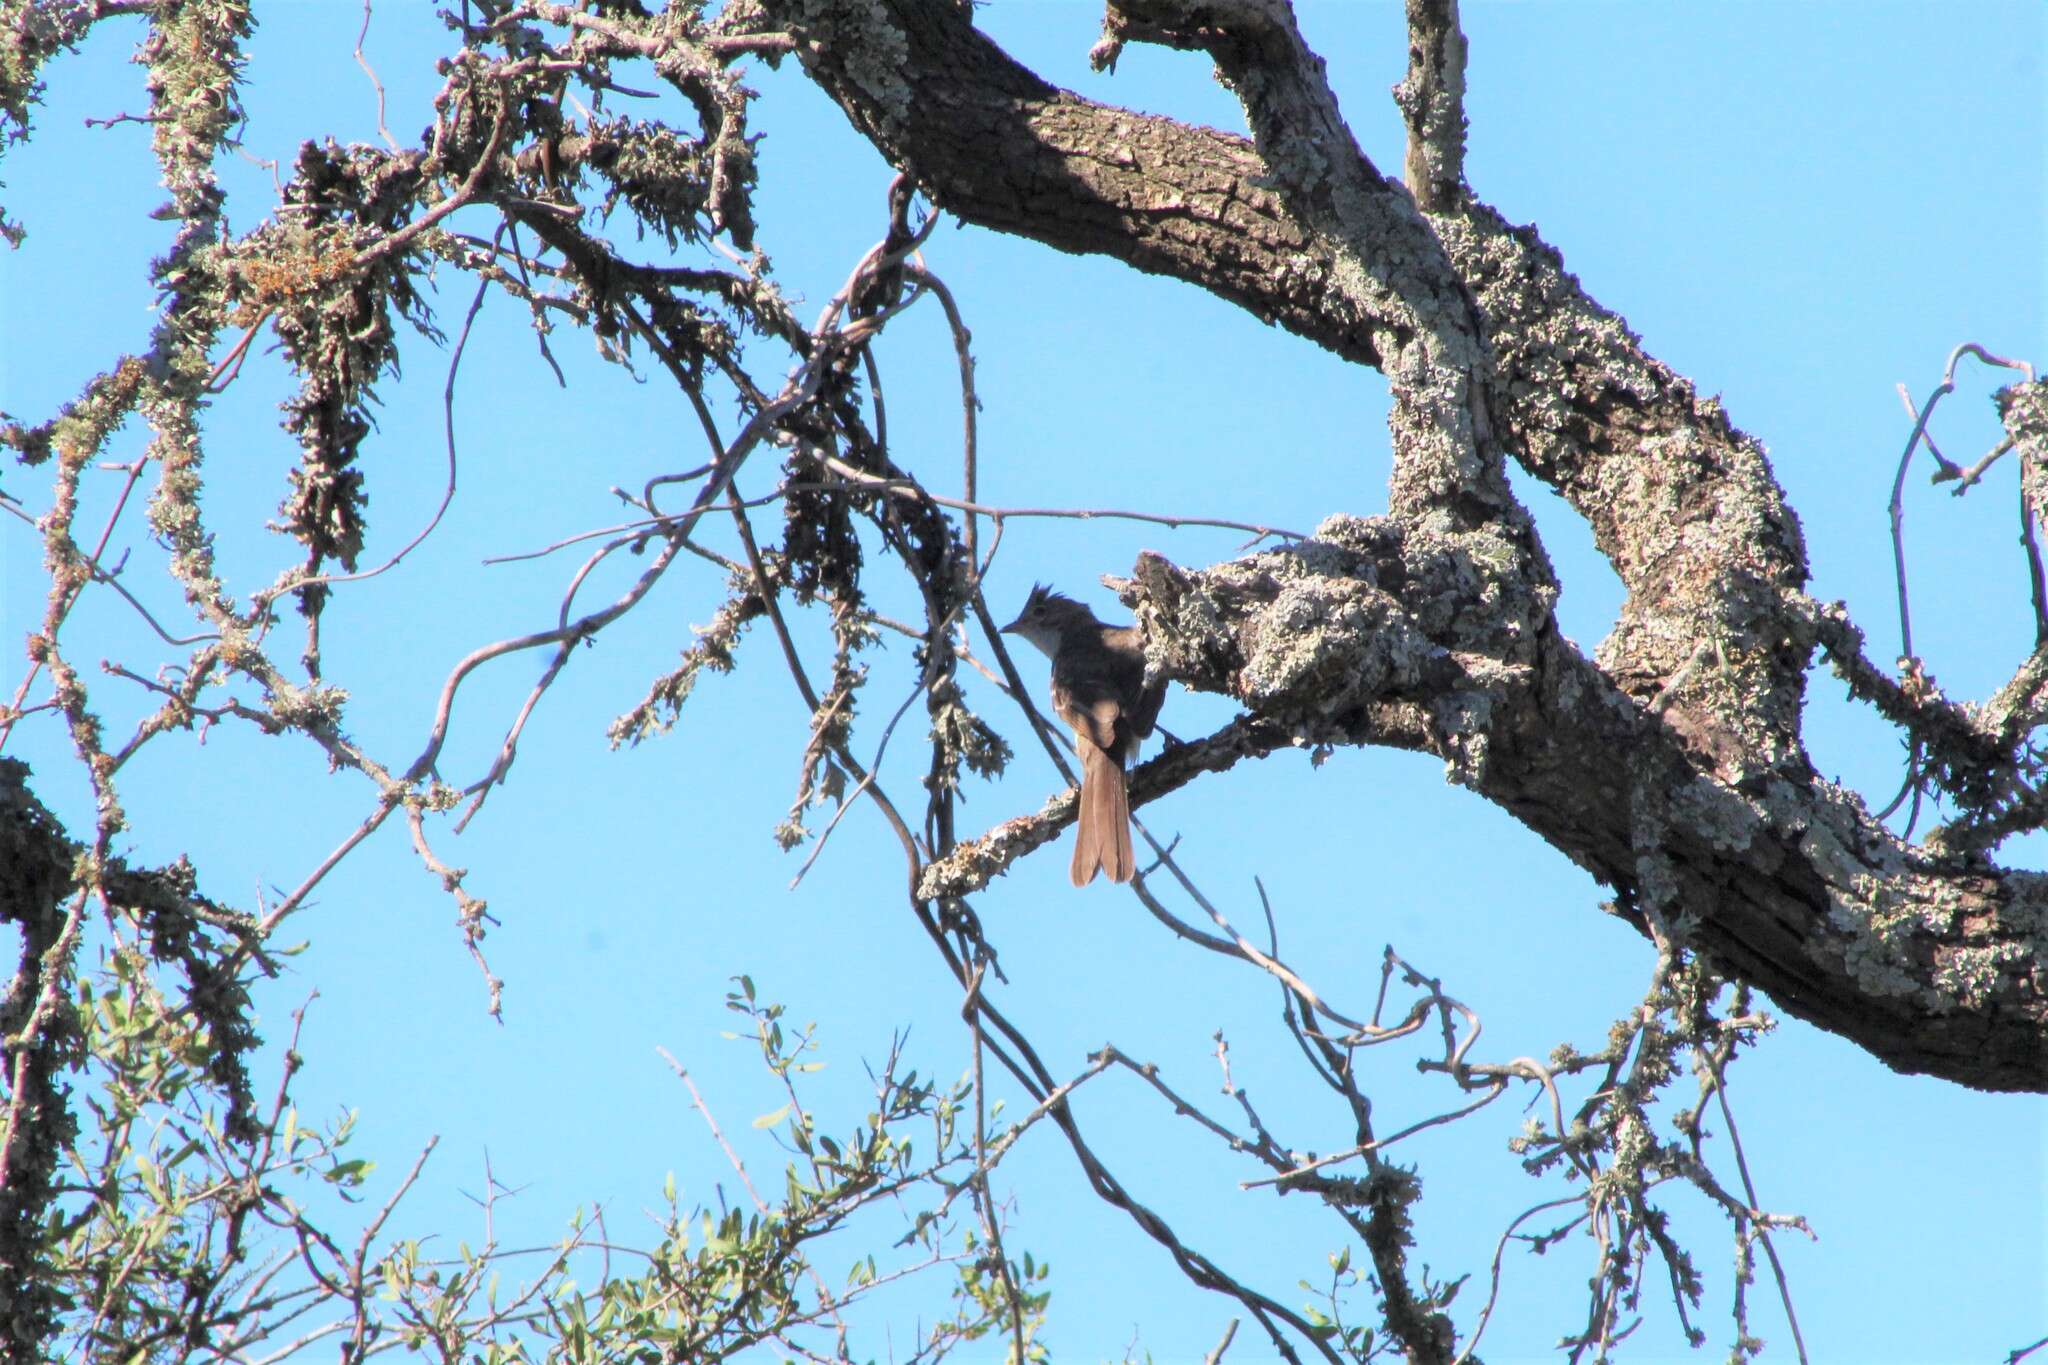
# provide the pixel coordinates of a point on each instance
(1799, 205)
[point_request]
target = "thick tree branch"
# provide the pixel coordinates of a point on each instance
(1362, 635)
(1931, 964)
(1690, 711)
(1682, 503)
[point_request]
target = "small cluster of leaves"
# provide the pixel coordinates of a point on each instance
(159, 1247)
(982, 1297)
(167, 1084)
(180, 1240)
(1352, 1341)
(716, 1284)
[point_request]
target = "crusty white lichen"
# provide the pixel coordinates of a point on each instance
(863, 36)
(1970, 977)
(1876, 925)
(1722, 815)
(1900, 931)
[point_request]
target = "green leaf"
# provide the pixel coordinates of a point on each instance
(770, 1120)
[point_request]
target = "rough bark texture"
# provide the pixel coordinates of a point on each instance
(1670, 763)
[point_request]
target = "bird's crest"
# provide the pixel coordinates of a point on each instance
(1043, 596)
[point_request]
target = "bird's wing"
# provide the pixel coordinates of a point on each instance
(1089, 712)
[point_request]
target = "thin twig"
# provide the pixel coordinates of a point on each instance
(731, 1156)
(375, 84)
(910, 488)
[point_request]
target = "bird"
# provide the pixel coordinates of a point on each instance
(1098, 689)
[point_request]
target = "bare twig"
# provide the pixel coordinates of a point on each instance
(732, 1157)
(915, 491)
(375, 84)
(970, 1010)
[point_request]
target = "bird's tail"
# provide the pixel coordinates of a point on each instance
(1102, 833)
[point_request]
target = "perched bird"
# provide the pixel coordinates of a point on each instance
(1098, 688)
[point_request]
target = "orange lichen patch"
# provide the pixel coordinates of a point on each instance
(291, 272)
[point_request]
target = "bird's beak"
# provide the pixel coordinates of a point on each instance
(1011, 629)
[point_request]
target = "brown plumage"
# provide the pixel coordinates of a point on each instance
(1098, 689)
